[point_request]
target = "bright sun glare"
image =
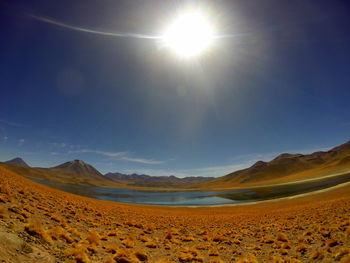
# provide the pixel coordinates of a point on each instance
(189, 35)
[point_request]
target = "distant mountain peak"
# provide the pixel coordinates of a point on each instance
(75, 163)
(78, 162)
(17, 161)
(80, 167)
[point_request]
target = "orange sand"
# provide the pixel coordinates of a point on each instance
(40, 224)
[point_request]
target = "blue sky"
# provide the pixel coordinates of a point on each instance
(125, 104)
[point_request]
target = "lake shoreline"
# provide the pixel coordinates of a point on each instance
(201, 198)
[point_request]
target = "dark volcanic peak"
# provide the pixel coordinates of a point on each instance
(18, 161)
(74, 163)
(79, 167)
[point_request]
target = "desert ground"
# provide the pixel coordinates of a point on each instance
(40, 224)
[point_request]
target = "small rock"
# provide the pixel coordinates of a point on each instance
(26, 248)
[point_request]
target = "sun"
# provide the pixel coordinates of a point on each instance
(189, 35)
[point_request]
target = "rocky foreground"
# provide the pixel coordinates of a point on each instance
(40, 224)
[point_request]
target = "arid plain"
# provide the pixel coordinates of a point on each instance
(40, 224)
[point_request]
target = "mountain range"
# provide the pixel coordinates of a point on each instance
(79, 172)
(287, 167)
(73, 172)
(284, 168)
(156, 181)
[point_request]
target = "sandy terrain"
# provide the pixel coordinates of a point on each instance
(40, 224)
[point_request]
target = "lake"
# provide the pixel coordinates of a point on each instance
(197, 198)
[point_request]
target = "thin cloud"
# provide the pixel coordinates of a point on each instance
(141, 160)
(88, 30)
(20, 142)
(107, 154)
(124, 156)
(64, 145)
(10, 123)
(60, 145)
(111, 154)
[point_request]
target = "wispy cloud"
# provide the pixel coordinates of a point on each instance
(89, 30)
(65, 145)
(124, 156)
(5, 138)
(104, 153)
(141, 160)
(20, 142)
(11, 123)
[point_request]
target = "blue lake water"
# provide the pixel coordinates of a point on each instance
(196, 198)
